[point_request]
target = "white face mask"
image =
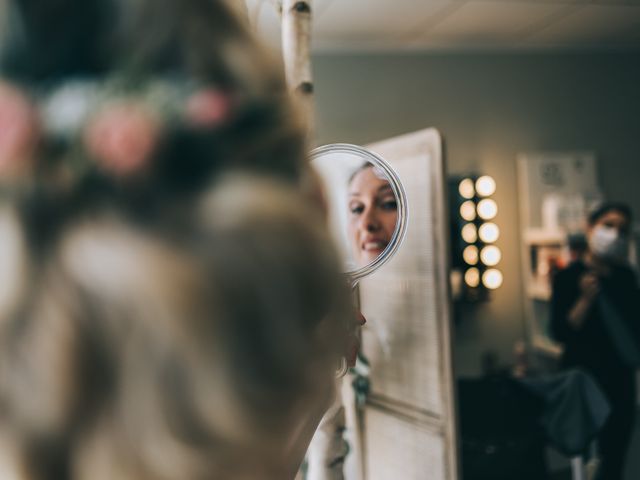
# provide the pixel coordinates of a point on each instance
(608, 244)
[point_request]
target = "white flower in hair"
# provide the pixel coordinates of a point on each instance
(68, 107)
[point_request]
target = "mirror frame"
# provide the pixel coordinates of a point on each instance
(398, 190)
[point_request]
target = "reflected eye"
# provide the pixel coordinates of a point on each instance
(389, 204)
(356, 209)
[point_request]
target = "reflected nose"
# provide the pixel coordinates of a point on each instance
(369, 221)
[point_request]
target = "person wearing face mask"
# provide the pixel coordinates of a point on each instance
(595, 314)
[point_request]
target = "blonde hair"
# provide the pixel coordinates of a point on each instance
(174, 356)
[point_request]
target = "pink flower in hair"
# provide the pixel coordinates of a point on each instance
(208, 108)
(122, 137)
(19, 131)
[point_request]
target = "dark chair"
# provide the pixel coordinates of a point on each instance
(501, 436)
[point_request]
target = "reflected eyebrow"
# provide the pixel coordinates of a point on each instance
(381, 189)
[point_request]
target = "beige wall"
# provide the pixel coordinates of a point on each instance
(489, 108)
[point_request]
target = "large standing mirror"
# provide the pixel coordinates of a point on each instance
(367, 205)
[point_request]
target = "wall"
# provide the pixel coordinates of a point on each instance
(490, 107)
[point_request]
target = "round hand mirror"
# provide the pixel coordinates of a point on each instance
(367, 205)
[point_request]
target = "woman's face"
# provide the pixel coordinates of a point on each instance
(373, 213)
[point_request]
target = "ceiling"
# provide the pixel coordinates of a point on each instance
(463, 25)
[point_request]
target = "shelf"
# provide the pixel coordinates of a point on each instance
(539, 292)
(539, 236)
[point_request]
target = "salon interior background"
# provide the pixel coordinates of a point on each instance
(489, 108)
(496, 78)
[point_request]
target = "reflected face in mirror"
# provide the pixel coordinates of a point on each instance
(372, 214)
(367, 206)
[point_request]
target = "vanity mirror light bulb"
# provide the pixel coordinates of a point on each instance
(468, 211)
(466, 188)
(489, 232)
(490, 255)
(487, 209)
(472, 277)
(470, 255)
(485, 186)
(470, 233)
(492, 278)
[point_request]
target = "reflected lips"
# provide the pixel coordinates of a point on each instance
(374, 245)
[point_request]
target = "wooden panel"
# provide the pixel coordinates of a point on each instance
(407, 338)
(402, 449)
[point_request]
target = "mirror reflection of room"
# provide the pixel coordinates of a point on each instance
(580, 305)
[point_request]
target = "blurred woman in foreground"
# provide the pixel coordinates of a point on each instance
(171, 305)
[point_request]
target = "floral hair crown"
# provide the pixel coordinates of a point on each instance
(118, 124)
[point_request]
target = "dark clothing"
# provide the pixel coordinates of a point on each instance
(592, 349)
(501, 435)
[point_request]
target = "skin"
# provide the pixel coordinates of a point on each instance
(589, 282)
(373, 214)
(353, 341)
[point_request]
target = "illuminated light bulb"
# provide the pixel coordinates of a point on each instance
(470, 255)
(468, 211)
(472, 277)
(491, 255)
(492, 278)
(485, 186)
(466, 188)
(489, 232)
(487, 209)
(470, 233)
